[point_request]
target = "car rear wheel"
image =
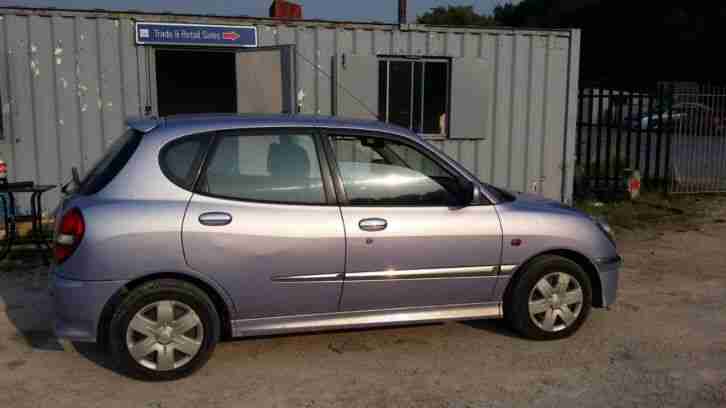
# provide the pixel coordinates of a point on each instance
(164, 330)
(551, 300)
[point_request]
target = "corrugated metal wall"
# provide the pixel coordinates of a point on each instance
(67, 80)
(68, 83)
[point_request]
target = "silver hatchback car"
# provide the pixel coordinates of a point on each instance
(196, 228)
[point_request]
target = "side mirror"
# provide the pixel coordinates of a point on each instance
(467, 191)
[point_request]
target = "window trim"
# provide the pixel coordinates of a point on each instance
(343, 199)
(419, 58)
(251, 132)
(2, 117)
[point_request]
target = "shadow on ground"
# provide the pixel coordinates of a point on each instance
(25, 299)
(29, 308)
(496, 326)
(97, 354)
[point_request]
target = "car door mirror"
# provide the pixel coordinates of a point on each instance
(466, 193)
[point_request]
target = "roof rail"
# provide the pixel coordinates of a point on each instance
(144, 124)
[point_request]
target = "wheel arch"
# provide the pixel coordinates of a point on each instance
(583, 261)
(222, 305)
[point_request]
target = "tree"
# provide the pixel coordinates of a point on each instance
(537, 13)
(455, 16)
(627, 42)
(634, 42)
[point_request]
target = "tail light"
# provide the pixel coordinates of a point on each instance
(69, 235)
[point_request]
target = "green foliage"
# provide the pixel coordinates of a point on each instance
(651, 209)
(538, 13)
(630, 43)
(634, 42)
(455, 16)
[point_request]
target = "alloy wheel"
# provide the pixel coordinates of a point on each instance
(164, 335)
(555, 302)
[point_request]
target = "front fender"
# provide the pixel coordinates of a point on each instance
(531, 228)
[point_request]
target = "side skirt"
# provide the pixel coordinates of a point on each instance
(359, 319)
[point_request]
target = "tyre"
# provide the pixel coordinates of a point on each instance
(550, 300)
(163, 330)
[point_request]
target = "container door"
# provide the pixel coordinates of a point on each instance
(265, 80)
(471, 92)
(356, 92)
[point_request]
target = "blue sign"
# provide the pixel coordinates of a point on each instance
(196, 34)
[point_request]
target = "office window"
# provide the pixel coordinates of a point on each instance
(414, 93)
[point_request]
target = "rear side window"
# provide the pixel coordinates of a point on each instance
(181, 158)
(267, 167)
(111, 163)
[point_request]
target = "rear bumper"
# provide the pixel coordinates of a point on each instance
(78, 305)
(609, 270)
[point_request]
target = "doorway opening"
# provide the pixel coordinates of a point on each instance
(196, 82)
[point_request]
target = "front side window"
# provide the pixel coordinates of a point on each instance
(414, 93)
(377, 171)
(268, 167)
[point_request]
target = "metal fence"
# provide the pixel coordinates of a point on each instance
(699, 141)
(620, 131)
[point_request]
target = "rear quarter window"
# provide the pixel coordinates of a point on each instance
(111, 163)
(180, 159)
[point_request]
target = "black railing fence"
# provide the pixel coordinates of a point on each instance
(620, 131)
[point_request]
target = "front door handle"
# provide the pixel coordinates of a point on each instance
(373, 224)
(215, 219)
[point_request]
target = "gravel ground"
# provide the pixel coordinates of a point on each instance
(662, 345)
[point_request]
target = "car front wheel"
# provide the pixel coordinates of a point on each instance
(164, 330)
(551, 300)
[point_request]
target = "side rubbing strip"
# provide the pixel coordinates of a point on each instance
(462, 272)
(324, 277)
(470, 271)
(507, 269)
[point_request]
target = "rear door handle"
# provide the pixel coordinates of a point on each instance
(373, 224)
(215, 219)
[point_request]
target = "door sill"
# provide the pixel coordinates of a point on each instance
(359, 319)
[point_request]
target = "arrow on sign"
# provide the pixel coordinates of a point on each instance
(230, 36)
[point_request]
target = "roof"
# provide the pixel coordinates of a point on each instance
(221, 121)
(171, 16)
(108, 12)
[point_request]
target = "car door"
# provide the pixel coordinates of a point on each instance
(408, 243)
(262, 223)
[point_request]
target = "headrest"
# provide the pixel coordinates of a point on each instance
(288, 159)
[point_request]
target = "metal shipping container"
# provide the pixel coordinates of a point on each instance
(69, 78)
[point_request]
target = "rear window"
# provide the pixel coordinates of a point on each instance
(181, 158)
(111, 163)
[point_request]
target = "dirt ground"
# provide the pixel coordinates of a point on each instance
(662, 345)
